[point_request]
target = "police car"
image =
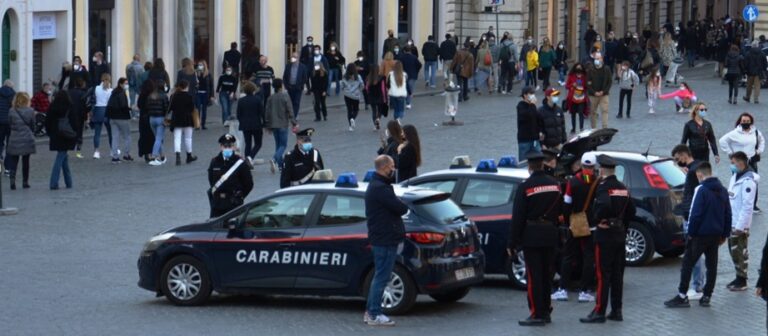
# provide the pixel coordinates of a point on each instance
(312, 240)
(485, 193)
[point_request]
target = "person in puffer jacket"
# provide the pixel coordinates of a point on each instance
(552, 120)
(741, 190)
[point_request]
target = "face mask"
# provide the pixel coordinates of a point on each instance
(49, 92)
(200, 67)
(734, 170)
(624, 68)
(333, 48)
(745, 126)
(682, 88)
(560, 46)
(293, 59)
(555, 100)
(317, 52)
(309, 42)
(307, 146)
(681, 164)
(397, 50)
(386, 133)
(703, 113)
(228, 72)
(360, 59)
(76, 67)
(317, 67)
(95, 59)
(599, 39)
(227, 153)
(126, 87)
(530, 41)
(598, 63)
(410, 42)
(532, 98)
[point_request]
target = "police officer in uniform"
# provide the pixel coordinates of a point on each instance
(302, 162)
(612, 210)
(534, 229)
(550, 162)
(229, 177)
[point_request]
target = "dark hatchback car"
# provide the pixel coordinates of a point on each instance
(312, 240)
(486, 195)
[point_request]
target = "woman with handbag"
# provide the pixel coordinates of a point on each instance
(21, 140)
(119, 114)
(181, 109)
(63, 137)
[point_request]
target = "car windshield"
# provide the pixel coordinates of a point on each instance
(671, 174)
(440, 209)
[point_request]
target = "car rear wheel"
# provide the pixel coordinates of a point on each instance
(452, 295)
(673, 253)
(516, 271)
(185, 281)
(400, 293)
(639, 245)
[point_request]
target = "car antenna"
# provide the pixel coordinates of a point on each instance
(648, 150)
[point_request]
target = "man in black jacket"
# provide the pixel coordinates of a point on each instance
(535, 213)
(431, 52)
(755, 65)
(250, 117)
(386, 233)
(552, 120)
(300, 164)
(232, 59)
(228, 189)
(447, 51)
(294, 78)
(306, 58)
(98, 68)
(684, 159)
(528, 123)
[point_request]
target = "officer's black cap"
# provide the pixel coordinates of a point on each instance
(550, 153)
(306, 133)
(227, 139)
(534, 156)
(606, 161)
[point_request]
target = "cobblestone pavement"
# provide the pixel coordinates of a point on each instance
(69, 265)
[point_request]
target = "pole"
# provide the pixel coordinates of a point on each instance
(461, 20)
(497, 22)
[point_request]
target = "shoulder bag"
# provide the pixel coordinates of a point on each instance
(65, 129)
(756, 158)
(579, 223)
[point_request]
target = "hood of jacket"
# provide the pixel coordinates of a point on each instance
(6, 92)
(712, 184)
(748, 175)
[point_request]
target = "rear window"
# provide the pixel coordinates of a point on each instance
(442, 210)
(671, 174)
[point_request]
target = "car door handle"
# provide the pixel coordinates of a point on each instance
(287, 245)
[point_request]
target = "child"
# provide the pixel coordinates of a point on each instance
(684, 97)
(352, 86)
(653, 90)
(627, 81)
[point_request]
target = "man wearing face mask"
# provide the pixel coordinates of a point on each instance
(552, 120)
(306, 58)
(300, 164)
(229, 178)
(742, 190)
(232, 58)
(389, 43)
(528, 123)
(598, 87)
(98, 68)
(295, 76)
(682, 156)
(77, 70)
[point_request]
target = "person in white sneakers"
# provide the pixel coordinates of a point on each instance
(742, 190)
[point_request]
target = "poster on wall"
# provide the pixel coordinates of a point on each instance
(43, 26)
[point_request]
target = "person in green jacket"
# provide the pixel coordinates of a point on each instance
(546, 61)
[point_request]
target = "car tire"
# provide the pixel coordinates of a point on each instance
(673, 253)
(400, 293)
(185, 281)
(639, 245)
(451, 295)
(516, 271)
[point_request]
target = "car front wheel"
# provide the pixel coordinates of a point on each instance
(399, 294)
(452, 295)
(516, 271)
(185, 281)
(639, 245)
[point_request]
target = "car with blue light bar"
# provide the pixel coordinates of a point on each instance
(312, 240)
(486, 192)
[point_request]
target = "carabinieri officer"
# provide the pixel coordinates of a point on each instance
(534, 228)
(612, 209)
(302, 162)
(229, 177)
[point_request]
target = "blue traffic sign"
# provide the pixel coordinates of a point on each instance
(750, 13)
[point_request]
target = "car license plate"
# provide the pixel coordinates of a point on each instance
(465, 273)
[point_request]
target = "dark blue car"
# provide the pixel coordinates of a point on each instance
(312, 240)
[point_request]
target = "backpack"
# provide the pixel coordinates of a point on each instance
(487, 59)
(505, 54)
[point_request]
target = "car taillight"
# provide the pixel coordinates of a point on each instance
(426, 237)
(654, 178)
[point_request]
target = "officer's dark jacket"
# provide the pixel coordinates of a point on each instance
(538, 198)
(612, 202)
(297, 165)
(239, 184)
(384, 211)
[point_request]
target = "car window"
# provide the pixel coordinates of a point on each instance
(439, 208)
(278, 212)
(620, 172)
(444, 185)
(340, 210)
(487, 193)
(670, 172)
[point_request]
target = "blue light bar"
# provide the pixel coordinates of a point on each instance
(369, 175)
(508, 162)
(346, 180)
(486, 166)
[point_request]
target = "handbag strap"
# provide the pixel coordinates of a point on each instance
(757, 139)
(226, 176)
(589, 195)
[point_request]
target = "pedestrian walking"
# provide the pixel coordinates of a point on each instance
(411, 67)
(204, 90)
(62, 138)
(226, 88)
(263, 75)
(320, 91)
(699, 134)
(577, 102)
(119, 114)
(535, 213)
(99, 119)
(447, 52)
(734, 62)
(250, 114)
(189, 74)
(552, 120)
(742, 190)
(397, 90)
(70, 74)
(336, 62)
(408, 154)
(628, 80)
(352, 88)
(599, 81)
(709, 224)
(386, 233)
(389, 43)
(306, 59)
(277, 116)
(483, 68)
(99, 67)
(528, 123)
(745, 138)
(81, 102)
(531, 67)
(653, 90)
(229, 178)
(684, 97)
(295, 75)
(547, 59)
(21, 138)
(146, 134)
(431, 51)
(159, 74)
(561, 63)
(180, 109)
(134, 71)
(507, 62)
(232, 58)
(612, 210)
(463, 67)
(301, 164)
(755, 65)
(156, 106)
(7, 94)
(376, 88)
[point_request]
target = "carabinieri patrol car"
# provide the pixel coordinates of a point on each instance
(312, 240)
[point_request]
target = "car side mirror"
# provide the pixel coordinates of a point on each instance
(233, 224)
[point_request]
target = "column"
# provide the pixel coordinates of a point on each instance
(351, 28)
(123, 37)
(761, 26)
(225, 32)
(166, 34)
(184, 33)
(387, 19)
(421, 21)
(145, 39)
(81, 30)
(312, 18)
(273, 40)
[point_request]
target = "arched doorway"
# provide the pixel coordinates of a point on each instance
(9, 65)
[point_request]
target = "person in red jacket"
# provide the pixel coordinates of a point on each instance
(576, 101)
(42, 99)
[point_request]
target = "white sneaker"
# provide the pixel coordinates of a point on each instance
(537, 88)
(381, 320)
(503, 92)
(560, 295)
(651, 111)
(272, 166)
(96, 155)
(680, 110)
(351, 129)
(155, 162)
(79, 155)
(586, 297)
(366, 318)
(352, 124)
(408, 106)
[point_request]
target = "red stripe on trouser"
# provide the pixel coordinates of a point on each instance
(599, 268)
(530, 292)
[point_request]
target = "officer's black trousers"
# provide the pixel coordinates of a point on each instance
(538, 266)
(578, 250)
(609, 261)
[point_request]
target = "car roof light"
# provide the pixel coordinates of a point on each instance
(369, 175)
(346, 180)
(486, 166)
(508, 162)
(323, 176)
(461, 161)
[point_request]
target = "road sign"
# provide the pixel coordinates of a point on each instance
(750, 13)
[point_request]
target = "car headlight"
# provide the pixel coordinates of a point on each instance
(155, 242)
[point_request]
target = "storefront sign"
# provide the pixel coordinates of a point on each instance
(43, 26)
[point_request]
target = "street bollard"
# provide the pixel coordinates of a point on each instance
(4, 211)
(452, 92)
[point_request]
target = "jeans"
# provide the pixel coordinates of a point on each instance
(624, 93)
(409, 87)
(98, 120)
(430, 69)
(384, 258)
(202, 106)
(334, 76)
(177, 133)
(527, 146)
(122, 129)
(132, 92)
(295, 95)
(546, 74)
(507, 76)
(281, 141)
(447, 68)
(691, 55)
(320, 105)
(561, 72)
(694, 248)
(61, 164)
(698, 279)
(252, 141)
(266, 91)
(158, 129)
(398, 105)
(530, 78)
(226, 106)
